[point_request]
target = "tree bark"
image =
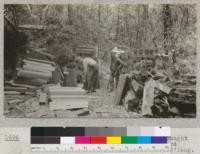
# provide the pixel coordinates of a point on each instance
(145, 17)
(167, 25)
(127, 25)
(70, 16)
(99, 13)
(117, 28)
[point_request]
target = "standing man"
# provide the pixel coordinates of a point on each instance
(119, 64)
(115, 68)
(90, 73)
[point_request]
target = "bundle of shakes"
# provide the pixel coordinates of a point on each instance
(35, 72)
(63, 98)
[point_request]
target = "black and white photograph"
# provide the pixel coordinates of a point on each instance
(100, 60)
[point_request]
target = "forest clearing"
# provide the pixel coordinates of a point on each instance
(100, 61)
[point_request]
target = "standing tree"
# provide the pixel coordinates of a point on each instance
(167, 25)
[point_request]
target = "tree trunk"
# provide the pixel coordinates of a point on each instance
(70, 16)
(127, 25)
(138, 36)
(117, 28)
(99, 13)
(167, 25)
(145, 16)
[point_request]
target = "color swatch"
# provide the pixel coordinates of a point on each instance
(113, 140)
(99, 135)
(100, 140)
(100, 131)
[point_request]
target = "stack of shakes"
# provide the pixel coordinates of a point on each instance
(63, 98)
(35, 72)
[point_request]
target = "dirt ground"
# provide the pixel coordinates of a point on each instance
(101, 105)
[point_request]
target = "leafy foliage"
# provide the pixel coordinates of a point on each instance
(110, 25)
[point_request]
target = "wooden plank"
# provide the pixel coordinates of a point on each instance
(37, 68)
(148, 97)
(120, 89)
(21, 89)
(90, 47)
(162, 87)
(35, 82)
(41, 61)
(43, 65)
(36, 63)
(69, 97)
(17, 93)
(68, 104)
(33, 74)
(66, 89)
(21, 85)
(12, 93)
(57, 87)
(67, 92)
(56, 90)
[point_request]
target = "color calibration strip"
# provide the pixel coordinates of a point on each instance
(100, 131)
(100, 140)
(100, 135)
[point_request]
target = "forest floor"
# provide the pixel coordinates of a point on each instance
(102, 102)
(102, 106)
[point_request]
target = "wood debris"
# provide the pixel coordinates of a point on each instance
(120, 89)
(63, 98)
